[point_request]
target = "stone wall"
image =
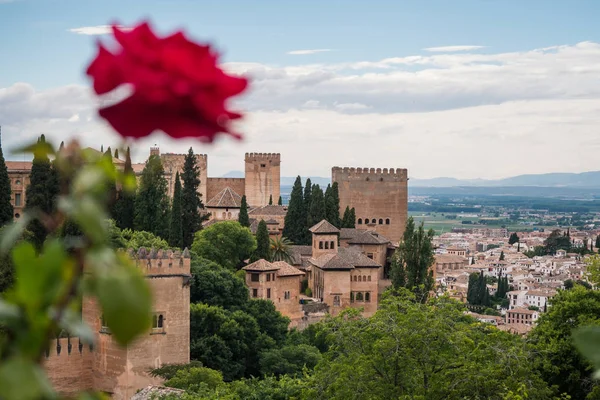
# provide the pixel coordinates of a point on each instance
(377, 195)
(291, 307)
(262, 178)
(215, 185)
(69, 368)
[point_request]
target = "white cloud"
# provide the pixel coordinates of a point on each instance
(447, 49)
(461, 115)
(305, 52)
(96, 30)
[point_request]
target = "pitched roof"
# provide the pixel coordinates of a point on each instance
(271, 222)
(324, 227)
(344, 259)
(298, 251)
(269, 210)
(226, 198)
(364, 237)
(286, 269)
(261, 265)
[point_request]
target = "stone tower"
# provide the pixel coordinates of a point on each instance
(379, 197)
(262, 178)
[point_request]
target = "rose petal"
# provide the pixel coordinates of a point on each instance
(104, 71)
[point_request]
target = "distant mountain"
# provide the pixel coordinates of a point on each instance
(234, 174)
(580, 180)
(289, 180)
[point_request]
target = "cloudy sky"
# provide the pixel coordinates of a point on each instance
(468, 89)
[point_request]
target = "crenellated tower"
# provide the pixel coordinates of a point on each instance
(262, 178)
(379, 197)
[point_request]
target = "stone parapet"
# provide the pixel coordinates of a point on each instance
(351, 173)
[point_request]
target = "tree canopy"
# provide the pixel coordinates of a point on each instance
(263, 245)
(175, 227)
(191, 200)
(295, 217)
(152, 202)
(243, 218)
(227, 243)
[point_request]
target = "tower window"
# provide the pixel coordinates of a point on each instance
(268, 293)
(263, 165)
(320, 245)
(360, 221)
(326, 245)
(387, 221)
(380, 221)
(366, 220)
(17, 199)
(332, 246)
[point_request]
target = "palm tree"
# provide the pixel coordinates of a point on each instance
(280, 249)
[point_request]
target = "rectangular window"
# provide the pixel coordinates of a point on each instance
(158, 322)
(255, 277)
(17, 199)
(255, 293)
(286, 295)
(263, 165)
(268, 277)
(268, 293)
(273, 275)
(336, 300)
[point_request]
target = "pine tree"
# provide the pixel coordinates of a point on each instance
(280, 201)
(125, 204)
(175, 227)
(117, 153)
(6, 208)
(152, 202)
(294, 225)
(41, 193)
(243, 218)
(271, 200)
(413, 260)
(316, 212)
(191, 200)
(263, 244)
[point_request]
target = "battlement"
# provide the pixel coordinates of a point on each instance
(67, 346)
(262, 156)
(203, 157)
(161, 262)
(381, 174)
(226, 180)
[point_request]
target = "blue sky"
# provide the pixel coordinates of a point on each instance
(376, 87)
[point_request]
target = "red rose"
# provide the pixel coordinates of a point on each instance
(177, 86)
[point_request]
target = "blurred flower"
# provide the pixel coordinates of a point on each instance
(177, 86)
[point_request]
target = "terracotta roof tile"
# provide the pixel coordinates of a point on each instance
(261, 265)
(286, 269)
(226, 198)
(324, 227)
(268, 210)
(344, 259)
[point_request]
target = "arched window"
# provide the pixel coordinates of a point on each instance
(359, 279)
(387, 221)
(369, 278)
(366, 220)
(160, 321)
(360, 221)
(321, 245)
(229, 215)
(374, 221)
(355, 278)
(367, 297)
(326, 245)
(224, 215)
(332, 245)
(359, 296)
(380, 221)
(364, 278)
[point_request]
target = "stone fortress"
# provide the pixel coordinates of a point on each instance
(343, 268)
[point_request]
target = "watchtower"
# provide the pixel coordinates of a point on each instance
(262, 178)
(379, 197)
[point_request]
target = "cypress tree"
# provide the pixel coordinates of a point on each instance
(335, 205)
(294, 223)
(191, 200)
(101, 148)
(332, 210)
(152, 202)
(125, 204)
(271, 200)
(280, 201)
(307, 237)
(346, 217)
(352, 219)
(316, 212)
(6, 208)
(111, 189)
(62, 146)
(108, 152)
(175, 227)
(598, 242)
(243, 218)
(263, 244)
(116, 153)
(41, 193)
(502, 255)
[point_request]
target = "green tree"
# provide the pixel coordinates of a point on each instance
(196, 379)
(243, 217)
(270, 321)
(152, 202)
(307, 198)
(216, 286)
(289, 360)
(175, 227)
(294, 223)
(410, 350)
(349, 218)
(117, 153)
(477, 291)
(227, 243)
(556, 241)
(191, 200)
(280, 249)
(413, 260)
(332, 205)
(559, 363)
(125, 203)
(316, 212)
(280, 201)
(598, 242)
(271, 200)
(263, 246)
(41, 193)
(6, 208)
(502, 255)
(514, 238)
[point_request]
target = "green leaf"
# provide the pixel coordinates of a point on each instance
(587, 341)
(23, 380)
(125, 299)
(73, 323)
(8, 310)
(13, 232)
(39, 149)
(89, 214)
(90, 179)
